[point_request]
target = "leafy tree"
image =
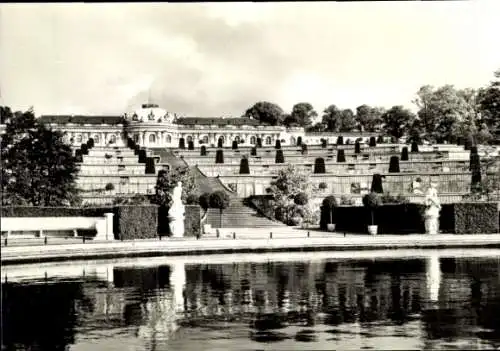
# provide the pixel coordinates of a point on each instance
(318, 127)
(38, 168)
(330, 204)
(301, 116)
(266, 112)
(220, 200)
(166, 182)
(489, 103)
(397, 121)
(369, 119)
(331, 118)
(301, 199)
(204, 201)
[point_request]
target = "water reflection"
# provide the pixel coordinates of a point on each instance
(429, 302)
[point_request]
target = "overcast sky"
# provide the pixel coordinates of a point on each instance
(218, 59)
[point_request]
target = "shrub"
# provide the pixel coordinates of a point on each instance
(219, 156)
(78, 155)
(85, 149)
(235, 145)
(142, 156)
(373, 142)
(204, 201)
(404, 154)
(394, 164)
(324, 143)
(387, 198)
(136, 222)
(182, 144)
(304, 149)
(220, 200)
(322, 186)
(192, 199)
(340, 156)
(90, 143)
(476, 217)
(109, 187)
(414, 146)
(357, 147)
(253, 152)
(244, 167)
(348, 142)
(190, 145)
(475, 167)
(319, 166)
(380, 139)
(330, 204)
(280, 158)
(200, 141)
(301, 199)
(150, 165)
(340, 140)
(203, 150)
(277, 146)
(372, 201)
(377, 184)
(220, 143)
(259, 142)
(192, 220)
(299, 141)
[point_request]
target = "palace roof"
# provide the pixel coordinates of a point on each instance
(64, 119)
(234, 121)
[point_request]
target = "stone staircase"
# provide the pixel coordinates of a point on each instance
(238, 215)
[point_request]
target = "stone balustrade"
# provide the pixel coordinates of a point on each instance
(112, 169)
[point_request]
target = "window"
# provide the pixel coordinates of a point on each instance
(189, 138)
(169, 138)
(96, 139)
(292, 141)
(268, 140)
(112, 139)
(152, 138)
(79, 138)
(253, 140)
(205, 139)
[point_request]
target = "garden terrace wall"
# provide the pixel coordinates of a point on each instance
(394, 183)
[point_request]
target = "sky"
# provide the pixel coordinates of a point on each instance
(215, 59)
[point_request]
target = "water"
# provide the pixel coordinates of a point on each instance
(319, 301)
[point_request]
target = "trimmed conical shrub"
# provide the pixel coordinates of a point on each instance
(394, 164)
(244, 167)
(220, 143)
(404, 154)
(235, 145)
(150, 165)
(203, 150)
(340, 140)
(377, 184)
(380, 139)
(90, 143)
(219, 156)
(78, 155)
(253, 152)
(142, 156)
(299, 141)
(85, 149)
(182, 144)
(414, 147)
(304, 149)
(340, 156)
(277, 146)
(319, 166)
(190, 145)
(357, 147)
(373, 142)
(259, 142)
(324, 143)
(280, 158)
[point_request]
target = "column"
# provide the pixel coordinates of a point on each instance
(433, 277)
(177, 284)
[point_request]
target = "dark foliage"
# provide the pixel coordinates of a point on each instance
(244, 167)
(340, 156)
(404, 154)
(394, 164)
(357, 147)
(319, 166)
(280, 158)
(377, 184)
(190, 145)
(340, 140)
(278, 144)
(203, 150)
(150, 165)
(373, 142)
(219, 156)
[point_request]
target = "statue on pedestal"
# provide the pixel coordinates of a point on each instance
(176, 213)
(433, 207)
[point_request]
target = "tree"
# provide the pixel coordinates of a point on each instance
(301, 199)
(369, 119)
(318, 127)
(204, 201)
(166, 182)
(302, 115)
(38, 168)
(266, 112)
(397, 121)
(220, 200)
(331, 118)
(489, 103)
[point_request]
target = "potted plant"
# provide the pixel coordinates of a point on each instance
(330, 204)
(372, 201)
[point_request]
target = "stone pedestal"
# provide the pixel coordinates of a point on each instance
(176, 224)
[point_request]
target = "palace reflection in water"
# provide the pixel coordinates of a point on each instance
(423, 303)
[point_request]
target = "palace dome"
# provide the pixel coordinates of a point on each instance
(150, 113)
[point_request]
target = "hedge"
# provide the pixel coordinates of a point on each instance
(476, 218)
(235, 145)
(357, 147)
(136, 222)
(192, 220)
(340, 156)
